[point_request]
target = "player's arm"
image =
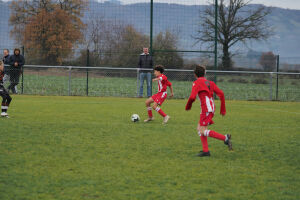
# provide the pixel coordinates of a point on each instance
(155, 79)
(221, 96)
(160, 78)
(192, 97)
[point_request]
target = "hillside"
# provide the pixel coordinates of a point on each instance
(184, 20)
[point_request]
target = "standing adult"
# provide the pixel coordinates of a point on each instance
(16, 63)
(146, 67)
(5, 60)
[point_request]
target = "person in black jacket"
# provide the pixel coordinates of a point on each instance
(16, 63)
(5, 61)
(146, 66)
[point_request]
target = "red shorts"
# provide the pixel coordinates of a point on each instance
(159, 97)
(206, 119)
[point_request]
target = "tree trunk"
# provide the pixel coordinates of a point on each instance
(226, 60)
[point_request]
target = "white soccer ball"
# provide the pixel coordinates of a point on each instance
(135, 118)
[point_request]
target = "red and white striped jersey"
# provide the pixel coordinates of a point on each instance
(205, 90)
(163, 83)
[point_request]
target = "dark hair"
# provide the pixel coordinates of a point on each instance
(16, 49)
(159, 68)
(199, 70)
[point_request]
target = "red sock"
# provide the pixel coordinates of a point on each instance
(160, 112)
(150, 112)
(204, 143)
(215, 135)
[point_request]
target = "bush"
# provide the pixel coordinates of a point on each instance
(259, 81)
(238, 80)
(220, 80)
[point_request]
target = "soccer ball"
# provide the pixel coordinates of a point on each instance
(135, 118)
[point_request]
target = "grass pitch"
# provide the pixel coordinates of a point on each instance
(87, 148)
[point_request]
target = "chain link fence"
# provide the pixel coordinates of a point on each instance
(124, 82)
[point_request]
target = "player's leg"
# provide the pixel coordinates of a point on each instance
(157, 108)
(205, 120)
(148, 103)
(210, 133)
(8, 99)
(7, 103)
(4, 105)
(205, 151)
(226, 138)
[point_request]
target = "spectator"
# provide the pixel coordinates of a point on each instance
(5, 60)
(146, 66)
(16, 63)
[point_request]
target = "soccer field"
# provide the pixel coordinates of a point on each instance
(87, 148)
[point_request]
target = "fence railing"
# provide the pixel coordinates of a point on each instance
(124, 82)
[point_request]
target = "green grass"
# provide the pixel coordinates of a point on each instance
(52, 84)
(87, 148)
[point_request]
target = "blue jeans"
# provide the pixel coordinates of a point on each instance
(143, 75)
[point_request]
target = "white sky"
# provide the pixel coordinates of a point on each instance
(291, 4)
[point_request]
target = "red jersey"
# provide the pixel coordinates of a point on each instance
(163, 83)
(205, 90)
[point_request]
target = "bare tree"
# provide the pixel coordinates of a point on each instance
(113, 42)
(237, 22)
(167, 40)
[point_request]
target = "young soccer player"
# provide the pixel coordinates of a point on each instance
(160, 96)
(205, 90)
(3, 93)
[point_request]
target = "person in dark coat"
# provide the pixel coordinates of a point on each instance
(16, 62)
(145, 68)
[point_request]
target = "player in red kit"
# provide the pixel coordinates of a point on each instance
(160, 96)
(205, 90)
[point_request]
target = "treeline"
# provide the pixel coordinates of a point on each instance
(54, 33)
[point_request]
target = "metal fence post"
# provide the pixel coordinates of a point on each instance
(216, 39)
(137, 81)
(271, 87)
(151, 27)
(69, 83)
(277, 77)
(87, 71)
(22, 86)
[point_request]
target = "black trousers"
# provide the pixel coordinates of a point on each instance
(6, 99)
(14, 80)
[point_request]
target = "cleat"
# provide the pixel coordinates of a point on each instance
(149, 119)
(203, 154)
(4, 114)
(166, 119)
(228, 142)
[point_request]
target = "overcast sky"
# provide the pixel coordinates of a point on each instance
(292, 4)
